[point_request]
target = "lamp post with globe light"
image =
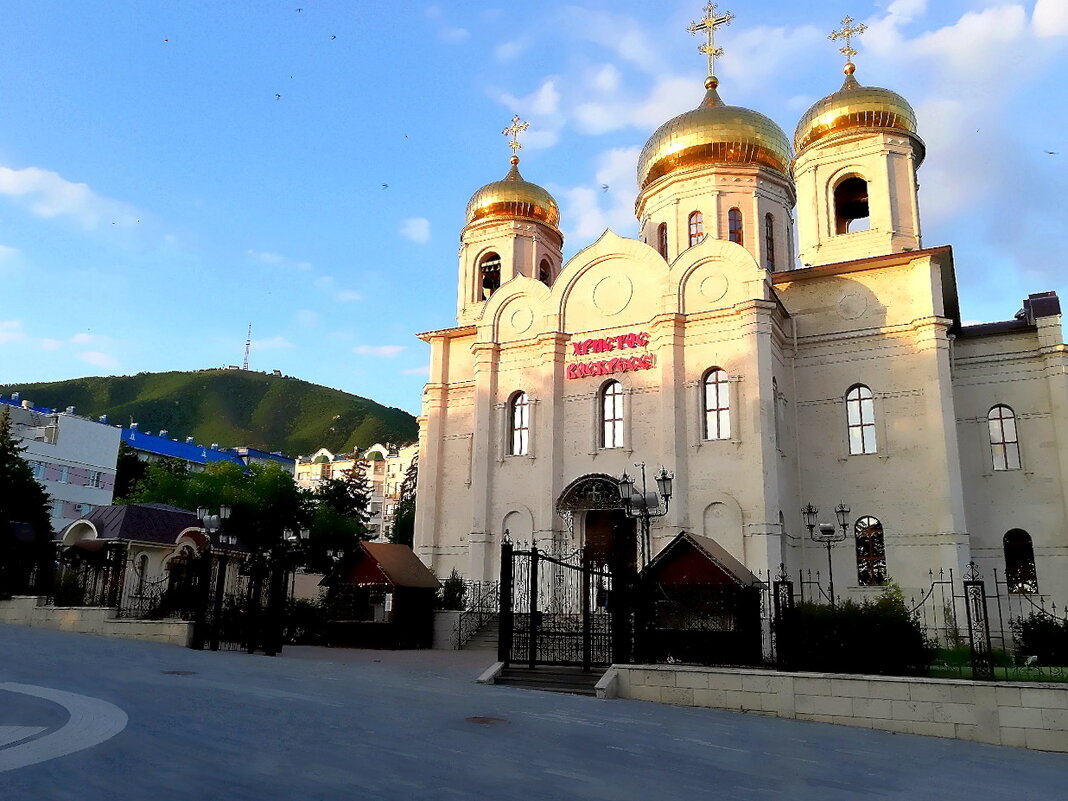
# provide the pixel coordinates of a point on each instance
(645, 506)
(828, 534)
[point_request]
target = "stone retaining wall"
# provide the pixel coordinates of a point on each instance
(28, 610)
(1027, 715)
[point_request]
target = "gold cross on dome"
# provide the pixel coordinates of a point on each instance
(513, 130)
(848, 31)
(709, 24)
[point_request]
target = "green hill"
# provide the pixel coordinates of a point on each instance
(231, 407)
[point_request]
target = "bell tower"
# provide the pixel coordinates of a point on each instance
(855, 170)
(512, 229)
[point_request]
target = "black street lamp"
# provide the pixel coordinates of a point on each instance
(828, 534)
(645, 506)
(212, 526)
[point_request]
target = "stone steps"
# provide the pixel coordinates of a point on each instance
(552, 678)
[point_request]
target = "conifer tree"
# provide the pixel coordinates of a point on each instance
(22, 499)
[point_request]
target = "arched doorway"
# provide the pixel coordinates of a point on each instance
(593, 508)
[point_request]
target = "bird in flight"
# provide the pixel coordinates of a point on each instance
(277, 96)
(1052, 153)
(604, 187)
(166, 40)
(333, 37)
(385, 186)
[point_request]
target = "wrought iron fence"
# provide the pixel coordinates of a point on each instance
(482, 602)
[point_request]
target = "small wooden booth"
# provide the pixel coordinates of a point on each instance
(382, 597)
(697, 603)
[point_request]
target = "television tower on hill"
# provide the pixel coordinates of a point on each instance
(248, 347)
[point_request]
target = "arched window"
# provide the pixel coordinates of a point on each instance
(860, 416)
(769, 241)
(1020, 573)
(612, 415)
(545, 272)
(871, 552)
(851, 205)
(734, 227)
(697, 227)
(519, 425)
(489, 274)
(661, 240)
(1004, 443)
(717, 404)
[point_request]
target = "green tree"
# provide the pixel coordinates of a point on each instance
(22, 499)
(129, 470)
(341, 509)
(403, 532)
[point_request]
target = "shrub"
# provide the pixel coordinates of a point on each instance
(876, 636)
(453, 591)
(1043, 636)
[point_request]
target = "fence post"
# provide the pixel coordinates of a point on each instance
(978, 625)
(504, 618)
(532, 656)
(202, 588)
(587, 645)
(220, 590)
(783, 598)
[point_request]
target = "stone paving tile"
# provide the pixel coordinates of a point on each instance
(322, 724)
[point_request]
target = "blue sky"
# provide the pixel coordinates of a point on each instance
(170, 172)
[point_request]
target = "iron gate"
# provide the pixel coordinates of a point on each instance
(557, 610)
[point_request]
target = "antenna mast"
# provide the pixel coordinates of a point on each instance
(248, 347)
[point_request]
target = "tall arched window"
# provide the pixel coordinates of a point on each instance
(734, 227)
(519, 425)
(871, 552)
(612, 415)
(769, 241)
(697, 227)
(1020, 573)
(545, 272)
(860, 416)
(661, 240)
(851, 205)
(1004, 443)
(489, 275)
(717, 404)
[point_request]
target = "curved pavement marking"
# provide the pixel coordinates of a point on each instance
(92, 721)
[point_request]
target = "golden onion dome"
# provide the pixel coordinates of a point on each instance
(513, 197)
(856, 107)
(713, 133)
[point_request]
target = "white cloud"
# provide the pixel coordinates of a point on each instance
(1050, 18)
(10, 331)
(417, 229)
(589, 210)
(99, 359)
(607, 78)
(348, 295)
(272, 343)
(453, 34)
(49, 195)
(307, 317)
(384, 351)
(7, 253)
(83, 339)
(277, 259)
(50, 344)
(423, 370)
(506, 51)
(323, 282)
(541, 108)
(625, 36)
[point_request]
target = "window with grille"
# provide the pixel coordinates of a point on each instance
(697, 227)
(860, 416)
(717, 404)
(769, 241)
(612, 415)
(519, 425)
(1004, 442)
(871, 552)
(1020, 573)
(734, 227)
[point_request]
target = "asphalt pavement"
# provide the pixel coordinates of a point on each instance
(93, 719)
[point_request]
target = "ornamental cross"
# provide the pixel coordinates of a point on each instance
(513, 131)
(709, 24)
(848, 31)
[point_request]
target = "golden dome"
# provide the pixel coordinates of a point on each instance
(513, 197)
(855, 106)
(713, 133)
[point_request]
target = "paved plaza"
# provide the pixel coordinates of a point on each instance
(93, 719)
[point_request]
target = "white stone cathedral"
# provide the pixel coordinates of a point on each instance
(763, 380)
